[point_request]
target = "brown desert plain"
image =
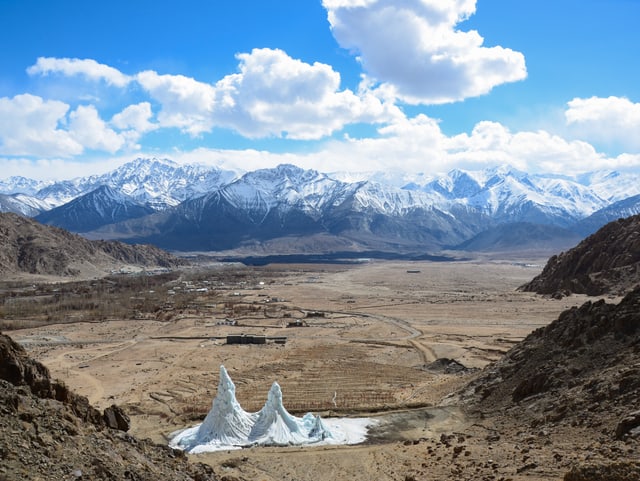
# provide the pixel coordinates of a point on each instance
(361, 340)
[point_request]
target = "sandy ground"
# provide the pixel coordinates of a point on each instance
(370, 330)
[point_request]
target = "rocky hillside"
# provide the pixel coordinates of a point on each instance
(578, 377)
(588, 360)
(605, 262)
(32, 248)
(48, 432)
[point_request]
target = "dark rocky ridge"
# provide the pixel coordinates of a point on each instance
(605, 262)
(33, 248)
(49, 432)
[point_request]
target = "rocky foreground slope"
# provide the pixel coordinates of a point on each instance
(47, 432)
(605, 262)
(577, 377)
(29, 247)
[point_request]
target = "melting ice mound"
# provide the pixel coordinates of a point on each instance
(228, 426)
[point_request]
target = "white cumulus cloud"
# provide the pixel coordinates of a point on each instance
(272, 95)
(186, 103)
(133, 122)
(414, 48)
(30, 125)
(136, 117)
(86, 126)
(276, 95)
(611, 119)
(492, 143)
(88, 68)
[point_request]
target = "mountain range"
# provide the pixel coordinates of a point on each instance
(289, 209)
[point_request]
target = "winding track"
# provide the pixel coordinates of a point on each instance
(97, 391)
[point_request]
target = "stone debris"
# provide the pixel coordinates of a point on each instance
(48, 432)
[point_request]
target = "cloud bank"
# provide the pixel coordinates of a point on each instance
(418, 145)
(611, 120)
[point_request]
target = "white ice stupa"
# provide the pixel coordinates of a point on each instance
(228, 426)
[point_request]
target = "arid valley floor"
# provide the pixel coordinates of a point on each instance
(365, 335)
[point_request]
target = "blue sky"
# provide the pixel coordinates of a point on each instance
(360, 85)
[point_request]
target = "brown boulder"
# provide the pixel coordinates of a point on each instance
(115, 418)
(630, 424)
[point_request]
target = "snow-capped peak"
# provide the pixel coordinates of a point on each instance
(152, 181)
(288, 193)
(21, 185)
(611, 185)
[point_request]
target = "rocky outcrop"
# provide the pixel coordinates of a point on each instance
(19, 369)
(115, 418)
(446, 366)
(605, 262)
(49, 432)
(629, 425)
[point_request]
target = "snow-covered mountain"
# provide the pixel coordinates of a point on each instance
(32, 203)
(288, 202)
(611, 185)
(91, 211)
(21, 185)
(62, 192)
(508, 195)
(19, 204)
(623, 208)
(162, 183)
(205, 208)
(159, 183)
